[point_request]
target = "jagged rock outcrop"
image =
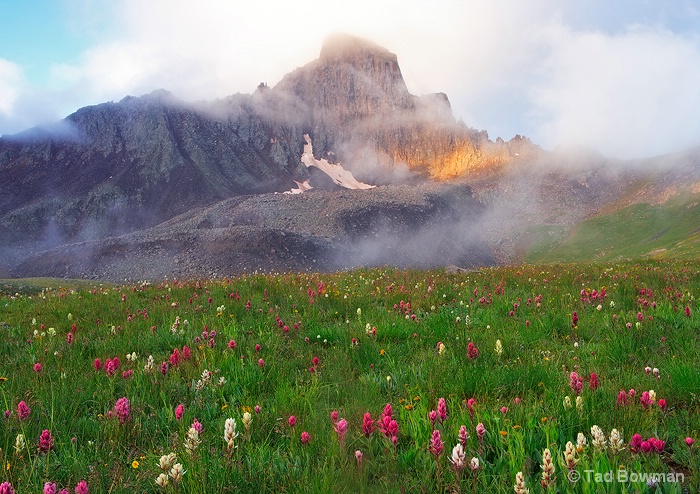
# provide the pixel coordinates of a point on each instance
(361, 112)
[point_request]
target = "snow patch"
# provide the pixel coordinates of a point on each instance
(301, 187)
(338, 174)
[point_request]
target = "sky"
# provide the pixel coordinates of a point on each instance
(620, 77)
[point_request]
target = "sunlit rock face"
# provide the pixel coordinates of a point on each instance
(361, 111)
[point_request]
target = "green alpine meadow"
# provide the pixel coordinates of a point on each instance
(572, 378)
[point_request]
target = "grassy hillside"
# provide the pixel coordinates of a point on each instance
(666, 231)
(363, 381)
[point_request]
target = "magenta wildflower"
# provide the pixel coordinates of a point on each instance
(164, 368)
(622, 398)
(367, 424)
(6, 488)
(334, 417)
(472, 351)
(292, 421)
(261, 362)
(186, 353)
(442, 409)
(37, 367)
(436, 444)
(49, 488)
(23, 411)
(97, 364)
(480, 431)
(305, 437)
(179, 411)
(645, 399)
(433, 417)
(81, 488)
(122, 409)
(196, 425)
(575, 382)
(341, 428)
(689, 441)
(636, 442)
(175, 358)
(470, 405)
(463, 436)
(111, 366)
(45, 441)
(232, 344)
(662, 404)
(574, 319)
(593, 382)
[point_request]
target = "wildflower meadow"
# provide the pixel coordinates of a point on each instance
(557, 378)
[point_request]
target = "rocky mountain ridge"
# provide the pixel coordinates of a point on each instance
(153, 186)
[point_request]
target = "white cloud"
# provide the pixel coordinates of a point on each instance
(10, 81)
(632, 94)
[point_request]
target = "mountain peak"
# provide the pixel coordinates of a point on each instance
(345, 47)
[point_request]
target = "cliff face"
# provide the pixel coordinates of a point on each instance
(361, 111)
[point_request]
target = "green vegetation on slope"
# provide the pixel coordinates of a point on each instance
(665, 231)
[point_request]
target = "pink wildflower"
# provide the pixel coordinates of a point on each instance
(23, 411)
(334, 417)
(232, 344)
(622, 398)
(197, 426)
(164, 368)
(662, 404)
(645, 399)
(689, 441)
(81, 488)
(122, 409)
(37, 367)
(433, 417)
(305, 437)
(186, 353)
(49, 488)
(6, 488)
(45, 441)
(292, 421)
(367, 425)
(175, 357)
(593, 382)
(261, 362)
(69, 338)
(442, 409)
(179, 411)
(472, 351)
(463, 436)
(575, 382)
(636, 442)
(574, 319)
(504, 410)
(470, 405)
(97, 364)
(341, 428)
(480, 431)
(436, 444)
